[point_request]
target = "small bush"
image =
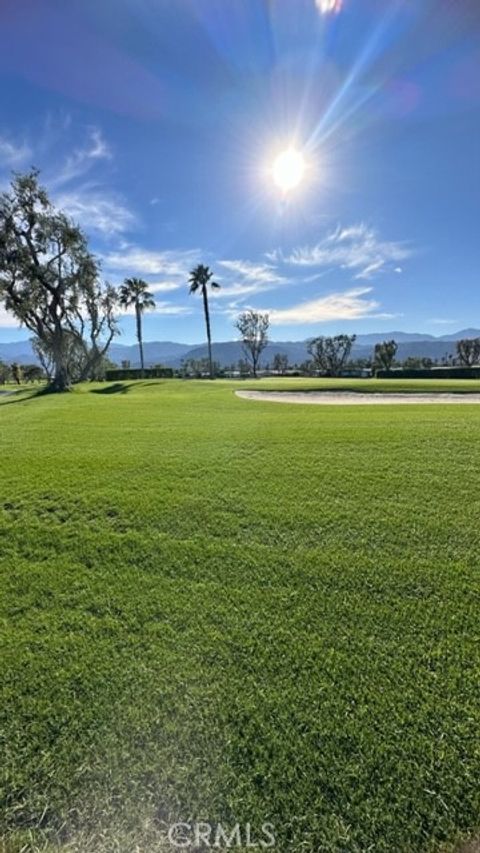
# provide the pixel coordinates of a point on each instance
(431, 373)
(135, 373)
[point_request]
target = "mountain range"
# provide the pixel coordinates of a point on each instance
(172, 354)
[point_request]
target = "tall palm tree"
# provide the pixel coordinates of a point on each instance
(134, 291)
(200, 278)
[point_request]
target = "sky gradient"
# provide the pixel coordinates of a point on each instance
(155, 124)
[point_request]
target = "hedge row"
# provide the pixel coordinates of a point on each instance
(136, 373)
(431, 373)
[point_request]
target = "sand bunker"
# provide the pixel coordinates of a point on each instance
(353, 398)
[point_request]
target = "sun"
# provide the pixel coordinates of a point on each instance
(288, 169)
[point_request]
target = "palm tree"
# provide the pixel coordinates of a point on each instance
(200, 278)
(134, 292)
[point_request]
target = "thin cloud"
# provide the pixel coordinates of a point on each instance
(13, 154)
(81, 160)
(163, 286)
(94, 207)
(242, 278)
(371, 269)
(135, 260)
(354, 304)
(172, 309)
(97, 210)
(229, 289)
(357, 248)
(261, 273)
(161, 308)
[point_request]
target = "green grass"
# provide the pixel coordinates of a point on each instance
(239, 612)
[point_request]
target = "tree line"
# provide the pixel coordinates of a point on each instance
(18, 373)
(51, 283)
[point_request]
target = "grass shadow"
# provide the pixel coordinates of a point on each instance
(125, 387)
(116, 388)
(23, 395)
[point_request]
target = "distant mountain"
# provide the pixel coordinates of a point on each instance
(434, 349)
(226, 353)
(230, 352)
(155, 352)
(458, 336)
(399, 337)
(20, 351)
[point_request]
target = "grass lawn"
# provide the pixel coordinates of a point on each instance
(231, 611)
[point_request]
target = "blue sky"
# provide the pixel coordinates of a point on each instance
(155, 123)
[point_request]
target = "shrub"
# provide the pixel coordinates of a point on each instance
(120, 374)
(431, 373)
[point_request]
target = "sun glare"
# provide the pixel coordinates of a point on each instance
(329, 7)
(288, 169)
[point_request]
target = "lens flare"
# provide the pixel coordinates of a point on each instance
(288, 169)
(329, 7)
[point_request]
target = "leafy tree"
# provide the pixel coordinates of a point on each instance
(199, 367)
(280, 363)
(307, 367)
(17, 373)
(243, 367)
(33, 373)
(102, 367)
(384, 354)
(134, 291)
(5, 372)
(44, 356)
(200, 279)
(83, 362)
(360, 363)
(415, 362)
(49, 279)
(253, 328)
(468, 351)
(101, 305)
(331, 354)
